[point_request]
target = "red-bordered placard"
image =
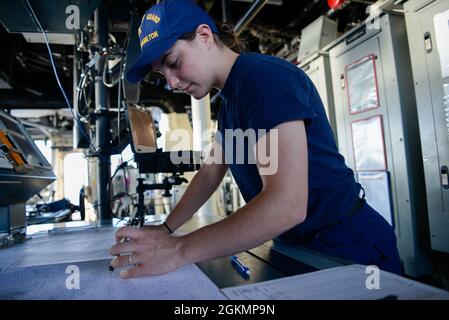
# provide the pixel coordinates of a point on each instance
(361, 85)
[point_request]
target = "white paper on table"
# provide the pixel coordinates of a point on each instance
(340, 283)
(63, 247)
(96, 282)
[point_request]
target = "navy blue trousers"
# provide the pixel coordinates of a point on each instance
(364, 238)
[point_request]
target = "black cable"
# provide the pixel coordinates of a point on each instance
(107, 203)
(126, 183)
(77, 121)
(121, 88)
(41, 29)
(119, 167)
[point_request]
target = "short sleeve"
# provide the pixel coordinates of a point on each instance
(273, 94)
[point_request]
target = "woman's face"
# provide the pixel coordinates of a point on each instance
(186, 66)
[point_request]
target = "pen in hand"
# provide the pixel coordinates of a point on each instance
(111, 268)
(134, 222)
(240, 267)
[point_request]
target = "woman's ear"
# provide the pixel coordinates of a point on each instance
(205, 35)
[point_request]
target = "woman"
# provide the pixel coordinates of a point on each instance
(310, 198)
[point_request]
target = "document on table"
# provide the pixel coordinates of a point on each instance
(351, 282)
(91, 280)
(59, 247)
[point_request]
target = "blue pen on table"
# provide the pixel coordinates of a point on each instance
(241, 268)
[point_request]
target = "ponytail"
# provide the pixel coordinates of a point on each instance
(225, 37)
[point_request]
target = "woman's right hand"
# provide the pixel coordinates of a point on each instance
(150, 250)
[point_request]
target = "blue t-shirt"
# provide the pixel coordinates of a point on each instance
(262, 92)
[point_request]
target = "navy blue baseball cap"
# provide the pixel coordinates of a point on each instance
(161, 26)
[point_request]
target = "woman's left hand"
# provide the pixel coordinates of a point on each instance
(149, 250)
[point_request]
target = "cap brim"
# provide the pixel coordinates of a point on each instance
(142, 66)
